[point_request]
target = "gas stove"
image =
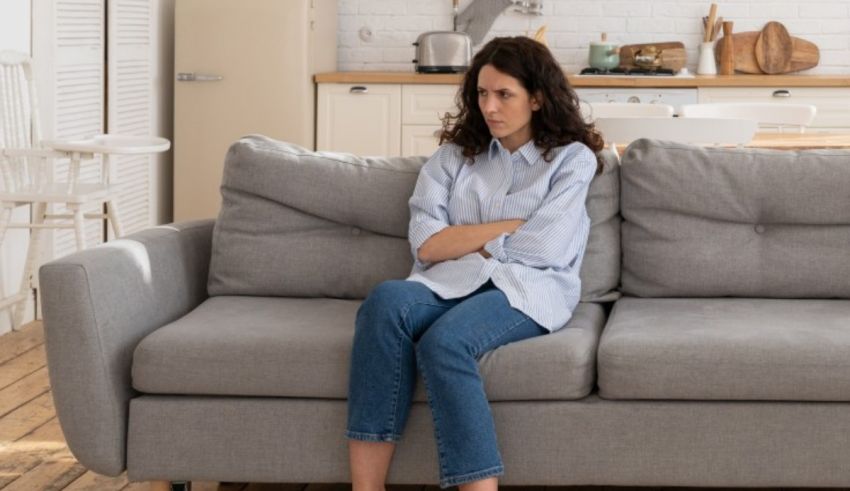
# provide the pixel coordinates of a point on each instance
(619, 71)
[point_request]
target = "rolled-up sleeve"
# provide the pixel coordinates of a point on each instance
(429, 202)
(550, 238)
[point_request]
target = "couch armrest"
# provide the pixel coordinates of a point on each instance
(97, 305)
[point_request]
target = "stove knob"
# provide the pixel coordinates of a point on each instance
(634, 99)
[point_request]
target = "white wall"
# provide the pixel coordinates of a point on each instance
(573, 24)
(14, 35)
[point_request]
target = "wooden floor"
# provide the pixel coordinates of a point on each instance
(34, 456)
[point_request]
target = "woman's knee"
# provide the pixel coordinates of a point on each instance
(387, 300)
(387, 293)
(441, 340)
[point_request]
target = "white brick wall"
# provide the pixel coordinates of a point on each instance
(572, 24)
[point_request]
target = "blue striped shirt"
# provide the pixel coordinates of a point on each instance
(537, 266)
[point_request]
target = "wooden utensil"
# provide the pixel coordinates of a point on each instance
(773, 48)
(673, 55)
(712, 17)
(727, 59)
(716, 30)
(540, 35)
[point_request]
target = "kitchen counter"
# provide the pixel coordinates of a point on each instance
(790, 141)
(604, 80)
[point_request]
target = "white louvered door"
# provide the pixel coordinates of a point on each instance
(68, 51)
(96, 64)
(131, 108)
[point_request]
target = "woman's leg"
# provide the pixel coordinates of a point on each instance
(447, 355)
(369, 462)
(383, 374)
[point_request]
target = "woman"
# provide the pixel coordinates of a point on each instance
(498, 229)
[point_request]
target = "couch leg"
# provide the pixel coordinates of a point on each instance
(171, 486)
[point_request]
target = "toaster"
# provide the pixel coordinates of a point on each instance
(443, 52)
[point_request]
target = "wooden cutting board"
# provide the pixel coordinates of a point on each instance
(773, 48)
(673, 55)
(804, 54)
(745, 51)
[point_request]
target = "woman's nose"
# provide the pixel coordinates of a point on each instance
(489, 105)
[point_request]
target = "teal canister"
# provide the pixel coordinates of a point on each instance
(604, 55)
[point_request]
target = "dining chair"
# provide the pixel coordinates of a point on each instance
(594, 110)
(29, 178)
(701, 131)
(781, 116)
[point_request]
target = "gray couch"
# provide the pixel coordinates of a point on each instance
(710, 348)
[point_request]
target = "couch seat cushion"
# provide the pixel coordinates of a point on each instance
(300, 347)
(729, 349)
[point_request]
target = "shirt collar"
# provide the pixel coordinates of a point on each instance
(529, 151)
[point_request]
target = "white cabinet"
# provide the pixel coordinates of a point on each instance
(363, 119)
(405, 119)
(420, 139)
(382, 119)
(422, 109)
(833, 103)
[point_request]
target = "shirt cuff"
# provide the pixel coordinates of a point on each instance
(496, 248)
(421, 232)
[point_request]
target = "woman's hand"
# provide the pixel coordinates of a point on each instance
(510, 227)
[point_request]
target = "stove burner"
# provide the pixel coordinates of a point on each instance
(628, 71)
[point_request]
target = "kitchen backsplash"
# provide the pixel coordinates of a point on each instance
(377, 34)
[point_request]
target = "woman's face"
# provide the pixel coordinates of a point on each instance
(506, 107)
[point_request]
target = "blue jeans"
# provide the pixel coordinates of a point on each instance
(403, 324)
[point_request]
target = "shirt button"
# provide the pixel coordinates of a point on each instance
(355, 231)
(759, 228)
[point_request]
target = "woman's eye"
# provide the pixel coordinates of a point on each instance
(504, 95)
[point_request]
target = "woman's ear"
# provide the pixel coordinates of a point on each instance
(536, 101)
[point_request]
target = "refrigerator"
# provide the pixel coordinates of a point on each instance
(242, 67)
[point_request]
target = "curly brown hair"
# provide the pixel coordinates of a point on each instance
(558, 122)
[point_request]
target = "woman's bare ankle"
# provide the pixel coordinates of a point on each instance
(488, 484)
(367, 487)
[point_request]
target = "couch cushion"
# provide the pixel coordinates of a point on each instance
(600, 268)
(319, 224)
(300, 347)
(312, 224)
(711, 222)
(726, 349)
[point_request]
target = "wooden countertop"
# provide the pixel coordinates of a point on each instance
(801, 141)
(791, 141)
(604, 80)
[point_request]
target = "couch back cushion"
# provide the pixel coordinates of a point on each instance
(711, 222)
(299, 223)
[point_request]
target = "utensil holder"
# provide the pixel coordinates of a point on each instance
(706, 64)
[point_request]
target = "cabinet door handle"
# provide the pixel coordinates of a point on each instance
(782, 93)
(358, 89)
(197, 77)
